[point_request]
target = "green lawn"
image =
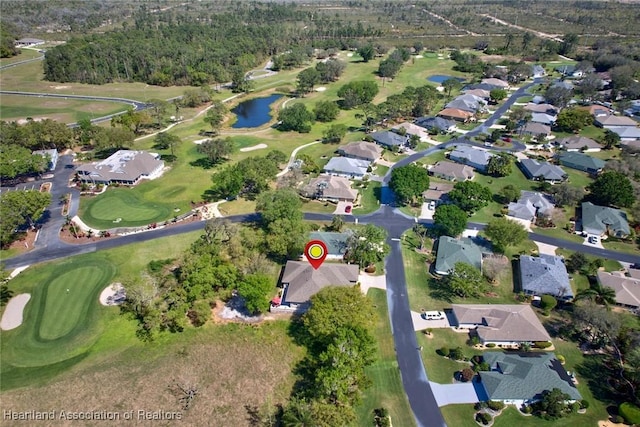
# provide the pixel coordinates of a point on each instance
(22, 56)
(441, 369)
(14, 107)
(387, 390)
(369, 197)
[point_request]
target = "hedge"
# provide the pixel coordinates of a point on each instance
(630, 412)
(542, 344)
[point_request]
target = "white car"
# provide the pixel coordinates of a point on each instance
(432, 205)
(433, 315)
(593, 240)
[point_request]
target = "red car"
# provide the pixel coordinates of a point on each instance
(506, 138)
(347, 209)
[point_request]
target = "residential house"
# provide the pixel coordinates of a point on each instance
(597, 110)
(466, 103)
(362, 150)
(456, 114)
(330, 188)
(626, 133)
(452, 171)
(481, 86)
(563, 85)
(496, 83)
(122, 167)
(627, 288)
(538, 99)
(438, 191)
(50, 155)
(472, 156)
(505, 325)
(545, 275)
(522, 378)
(581, 162)
(452, 251)
(542, 108)
(411, 129)
(480, 93)
(569, 71)
(579, 143)
(542, 171)
(538, 71)
(543, 118)
(614, 121)
(336, 243)
(530, 205)
(437, 124)
(390, 140)
(634, 108)
(535, 129)
(602, 221)
(27, 42)
(347, 167)
(300, 281)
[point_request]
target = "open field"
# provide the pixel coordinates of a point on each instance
(14, 107)
(386, 390)
(24, 55)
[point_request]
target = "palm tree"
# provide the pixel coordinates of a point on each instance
(298, 414)
(599, 294)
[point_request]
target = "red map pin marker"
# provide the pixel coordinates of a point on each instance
(316, 251)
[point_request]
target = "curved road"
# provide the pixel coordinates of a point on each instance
(414, 377)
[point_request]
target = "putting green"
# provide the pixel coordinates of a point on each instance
(120, 207)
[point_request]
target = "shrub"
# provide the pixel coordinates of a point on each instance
(548, 303)
(444, 351)
(480, 405)
(527, 409)
(467, 374)
(482, 366)
(542, 344)
(456, 353)
(495, 405)
(483, 417)
(560, 358)
(574, 407)
(630, 413)
(584, 404)
(491, 345)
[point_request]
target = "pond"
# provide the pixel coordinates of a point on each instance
(253, 113)
(439, 78)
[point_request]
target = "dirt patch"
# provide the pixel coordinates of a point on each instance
(24, 242)
(498, 58)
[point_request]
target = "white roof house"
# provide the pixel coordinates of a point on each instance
(347, 167)
(122, 167)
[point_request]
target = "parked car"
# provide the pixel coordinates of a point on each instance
(488, 144)
(506, 138)
(432, 205)
(593, 240)
(433, 315)
(347, 209)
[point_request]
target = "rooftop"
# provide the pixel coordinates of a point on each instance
(570, 159)
(303, 281)
(456, 171)
(389, 139)
(347, 166)
(578, 142)
(471, 155)
(452, 251)
(362, 149)
(546, 170)
(627, 288)
(599, 219)
(545, 275)
(123, 165)
(330, 187)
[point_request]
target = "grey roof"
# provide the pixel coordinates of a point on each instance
(303, 281)
(336, 242)
(496, 82)
(626, 132)
(471, 155)
(581, 161)
(564, 85)
(451, 251)
(453, 171)
(545, 274)
(362, 149)
(437, 191)
(536, 169)
(483, 86)
(566, 69)
(464, 105)
(435, 123)
(577, 142)
(538, 70)
(598, 219)
(611, 120)
(523, 210)
(389, 139)
(347, 166)
(532, 128)
(525, 376)
(541, 108)
(545, 119)
(502, 322)
(330, 187)
(627, 288)
(530, 204)
(538, 99)
(123, 165)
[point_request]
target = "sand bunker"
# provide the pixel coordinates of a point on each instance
(419, 56)
(321, 89)
(12, 317)
(114, 294)
(200, 141)
(59, 87)
(254, 147)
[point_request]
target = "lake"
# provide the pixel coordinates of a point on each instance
(439, 78)
(253, 113)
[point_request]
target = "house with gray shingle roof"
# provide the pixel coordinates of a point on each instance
(300, 281)
(543, 118)
(603, 220)
(344, 166)
(614, 121)
(452, 171)
(505, 325)
(581, 162)
(331, 188)
(545, 275)
(437, 192)
(412, 129)
(579, 143)
(535, 129)
(530, 204)
(496, 83)
(464, 105)
(538, 71)
(542, 108)
(336, 242)
(437, 124)
(362, 150)
(522, 378)
(389, 139)
(472, 156)
(626, 133)
(542, 171)
(452, 251)
(123, 167)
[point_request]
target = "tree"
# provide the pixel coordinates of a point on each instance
(356, 93)
(558, 96)
(326, 111)
(298, 413)
(421, 232)
(216, 150)
(589, 86)
(610, 139)
(215, 115)
(330, 70)
(255, 289)
(548, 303)
(553, 404)
(367, 245)
(296, 117)
(165, 140)
(465, 281)
(307, 79)
(337, 223)
(16, 160)
(367, 52)
(576, 262)
(565, 194)
(499, 165)
(450, 220)
(19, 208)
(334, 133)
(409, 182)
(282, 220)
(467, 374)
(573, 119)
(504, 232)
(451, 84)
(509, 193)
(569, 43)
(497, 95)
(612, 188)
(158, 109)
(470, 196)
(218, 231)
(527, 38)
(508, 39)
(599, 294)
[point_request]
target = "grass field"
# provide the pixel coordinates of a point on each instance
(24, 55)
(387, 390)
(14, 107)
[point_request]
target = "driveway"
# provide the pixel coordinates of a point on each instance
(420, 324)
(368, 281)
(593, 245)
(426, 213)
(451, 394)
